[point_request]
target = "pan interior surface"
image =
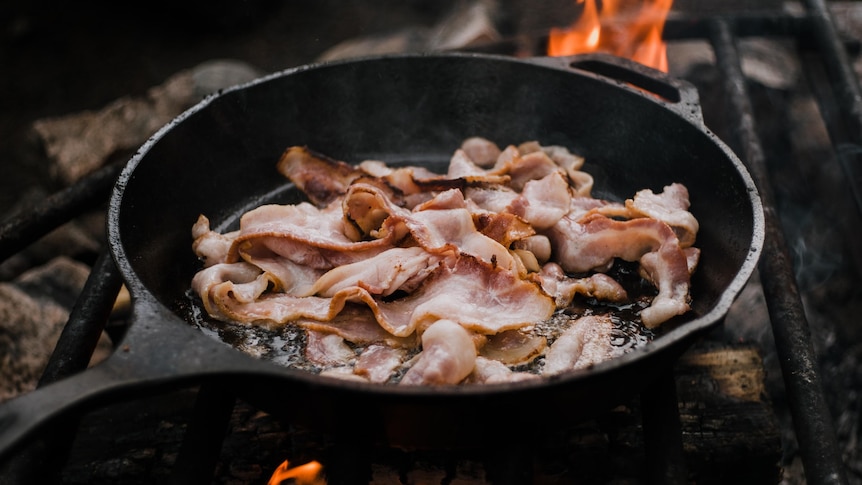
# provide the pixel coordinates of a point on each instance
(219, 158)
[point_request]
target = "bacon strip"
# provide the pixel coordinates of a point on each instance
(507, 301)
(489, 371)
(592, 243)
(670, 206)
(482, 152)
(392, 270)
(378, 362)
(304, 234)
(564, 288)
(483, 299)
(448, 356)
(543, 201)
(211, 247)
(224, 286)
(585, 343)
(328, 349)
(513, 347)
(319, 177)
(356, 323)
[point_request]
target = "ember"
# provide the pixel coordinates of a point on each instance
(620, 27)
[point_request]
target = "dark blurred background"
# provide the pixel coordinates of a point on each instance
(58, 58)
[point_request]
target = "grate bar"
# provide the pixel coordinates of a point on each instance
(811, 416)
(204, 436)
(662, 432)
(846, 89)
(78, 340)
(23, 229)
(773, 24)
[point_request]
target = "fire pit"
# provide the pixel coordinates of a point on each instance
(193, 434)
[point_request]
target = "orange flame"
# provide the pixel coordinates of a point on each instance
(624, 28)
(308, 474)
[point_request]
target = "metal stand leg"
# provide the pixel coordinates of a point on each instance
(665, 463)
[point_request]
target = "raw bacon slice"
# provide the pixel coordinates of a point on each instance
(581, 182)
(224, 287)
(303, 234)
(288, 276)
(484, 299)
(481, 151)
(370, 211)
(513, 347)
(328, 349)
(211, 247)
(378, 362)
(585, 343)
(531, 166)
(356, 323)
(592, 243)
(672, 279)
(563, 288)
(504, 228)
(461, 167)
(480, 297)
(453, 230)
(539, 245)
(441, 226)
(320, 178)
(489, 371)
(543, 201)
(671, 207)
(490, 199)
(448, 356)
(390, 271)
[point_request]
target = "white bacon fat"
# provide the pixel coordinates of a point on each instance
(461, 264)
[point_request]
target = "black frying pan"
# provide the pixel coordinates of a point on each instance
(219, 159)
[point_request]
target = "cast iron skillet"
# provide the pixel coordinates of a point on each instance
(219, 159)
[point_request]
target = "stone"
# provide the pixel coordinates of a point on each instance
(79, 143)
(33, 311)
(29, 329)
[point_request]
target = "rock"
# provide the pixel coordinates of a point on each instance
(33, 311)
(81, 142)
(29, 330)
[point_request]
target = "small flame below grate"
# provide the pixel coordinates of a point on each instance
(310, 473)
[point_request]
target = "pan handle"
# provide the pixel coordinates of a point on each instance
(678, 95)
(26, 416)
(159, 353)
